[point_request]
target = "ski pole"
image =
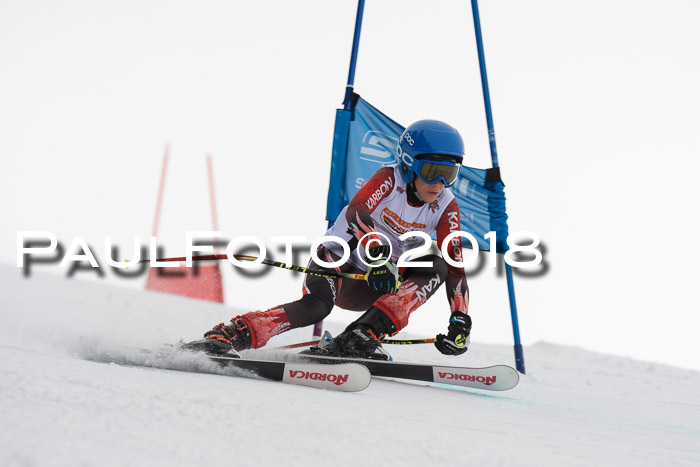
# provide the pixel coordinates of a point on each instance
(290, 267)
(297, 345)
(428, 340)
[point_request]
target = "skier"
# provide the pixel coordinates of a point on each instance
(409, 196)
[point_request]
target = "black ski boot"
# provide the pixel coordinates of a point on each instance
(224, 339)
(361, 339)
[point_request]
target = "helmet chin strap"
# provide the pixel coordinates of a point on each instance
(413, 196)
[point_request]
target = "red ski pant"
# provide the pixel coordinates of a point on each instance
(322, 293)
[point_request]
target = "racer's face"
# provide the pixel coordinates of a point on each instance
(429, 193)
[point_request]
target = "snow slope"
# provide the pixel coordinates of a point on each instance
(57, 408)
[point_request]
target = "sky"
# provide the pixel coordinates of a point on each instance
(595, 107)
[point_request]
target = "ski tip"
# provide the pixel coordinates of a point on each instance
(346, 377)
(493, 378)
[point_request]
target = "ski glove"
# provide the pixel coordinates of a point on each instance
(457, 339)
(383, 277)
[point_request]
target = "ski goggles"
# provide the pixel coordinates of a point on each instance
(431, 171)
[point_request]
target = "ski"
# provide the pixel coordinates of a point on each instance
(346, 377)
(492, 378)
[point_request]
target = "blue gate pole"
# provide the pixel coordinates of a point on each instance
(347, 101)
(518, 348)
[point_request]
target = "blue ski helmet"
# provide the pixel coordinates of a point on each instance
(431, 150)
